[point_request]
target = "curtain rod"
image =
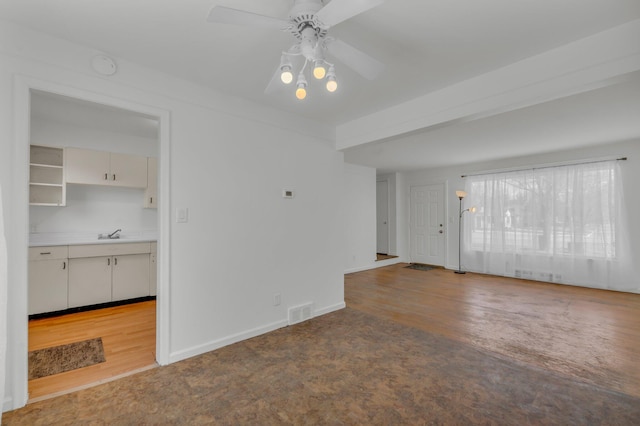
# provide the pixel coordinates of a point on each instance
(546, 166)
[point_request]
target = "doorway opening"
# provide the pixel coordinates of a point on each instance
(89, 287)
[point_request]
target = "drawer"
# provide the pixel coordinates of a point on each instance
(111, 249)
(48, 252)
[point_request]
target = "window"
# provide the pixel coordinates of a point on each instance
(558, 224)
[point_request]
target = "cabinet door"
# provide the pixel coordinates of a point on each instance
(128, 170)
(151, 194)
(130, 276)
(87, 166)
(89, 281)
(48, 285)
(153, 274)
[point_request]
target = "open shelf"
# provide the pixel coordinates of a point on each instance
(46, 176)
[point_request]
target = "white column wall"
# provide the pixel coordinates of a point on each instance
(360, 217)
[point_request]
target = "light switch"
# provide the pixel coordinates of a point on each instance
(182, 215)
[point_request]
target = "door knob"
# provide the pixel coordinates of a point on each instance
(441, 231)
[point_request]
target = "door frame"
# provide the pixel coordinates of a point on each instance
(17, 298)
(447, 218)
(386, 182)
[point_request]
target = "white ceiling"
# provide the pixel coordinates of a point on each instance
(425, 44)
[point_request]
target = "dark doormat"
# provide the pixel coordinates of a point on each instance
(420, 267)
(58, 359)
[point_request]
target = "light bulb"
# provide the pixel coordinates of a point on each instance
(319, 72)
(301, 91)
(287, 75)
(332, 84)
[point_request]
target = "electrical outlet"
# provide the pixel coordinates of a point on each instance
(277, 299)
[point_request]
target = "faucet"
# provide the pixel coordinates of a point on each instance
(113, 234)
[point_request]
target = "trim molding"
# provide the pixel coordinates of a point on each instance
(378, 264)
(243, 335)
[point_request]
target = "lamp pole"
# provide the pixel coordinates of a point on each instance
(461, 195)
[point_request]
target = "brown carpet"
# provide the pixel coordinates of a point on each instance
(343, 368)
(58, 359)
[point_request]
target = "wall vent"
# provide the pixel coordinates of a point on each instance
(300, 313)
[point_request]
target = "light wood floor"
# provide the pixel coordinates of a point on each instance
(587, 334)
(128, 336)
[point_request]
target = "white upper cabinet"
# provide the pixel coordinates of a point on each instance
(129, 170)
(86, 166)
(151, 194)
(104, 168)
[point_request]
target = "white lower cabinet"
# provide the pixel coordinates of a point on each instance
(62, 277)
(89, 281)
(100, 273)
(130, 278)
(153, 270)
(48, 274)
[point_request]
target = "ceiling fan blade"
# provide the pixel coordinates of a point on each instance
(274, 83)
(226, 15)
(358, 61)
(341, 10)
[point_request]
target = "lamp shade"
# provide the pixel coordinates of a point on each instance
(461, 194)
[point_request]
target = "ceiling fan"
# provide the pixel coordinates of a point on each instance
(309, 22)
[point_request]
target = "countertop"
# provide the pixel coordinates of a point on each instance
(77, 238)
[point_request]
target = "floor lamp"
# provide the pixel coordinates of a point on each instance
(461, 195)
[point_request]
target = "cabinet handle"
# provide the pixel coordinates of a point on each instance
(106, 177)
(115, 260)
(46, 252)
(64, 265)
(150, 200)
(108, 261)
(114, 176)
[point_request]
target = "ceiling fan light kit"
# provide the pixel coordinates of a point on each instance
(309, 22)
(301, 91)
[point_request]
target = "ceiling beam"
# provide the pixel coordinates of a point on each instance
(580, 66)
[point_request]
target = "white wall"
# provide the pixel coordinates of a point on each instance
(360, 217)
(452, 175)
(93, 208)
(228, 161)
(51, 133)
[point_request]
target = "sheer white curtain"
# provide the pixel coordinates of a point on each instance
(3, 307)
(562, 224)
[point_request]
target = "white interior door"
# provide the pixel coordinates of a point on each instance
(382, 216)
(427, 232)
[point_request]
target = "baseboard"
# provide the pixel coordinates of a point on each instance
(225, 341)
(329, 309)
(378, 264)
(7, 404)
(238, 337)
